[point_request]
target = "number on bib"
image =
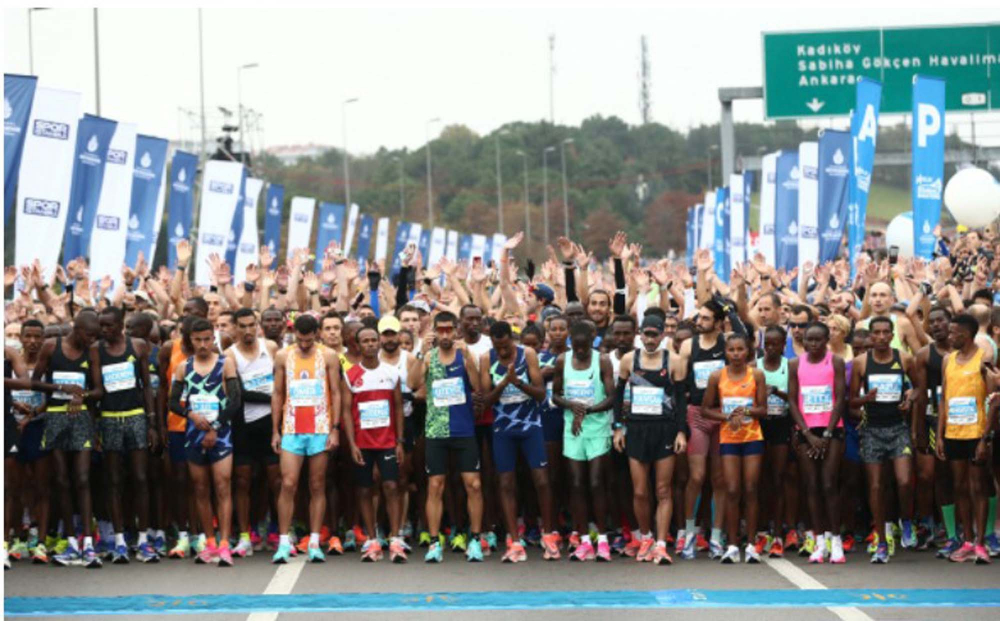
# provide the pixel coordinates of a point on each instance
(373, 414)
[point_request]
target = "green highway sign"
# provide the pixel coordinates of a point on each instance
(813, 74)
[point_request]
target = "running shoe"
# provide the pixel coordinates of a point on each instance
(848, 541)
(777, 550)
(491, 541)
(645, 552)
(397, 550)
(533, 537)
(669, 540)
(244, 547)
(891, 542)
(459, 542)
(909, 538)
(808, 546)
(592, 531)
(425, 539)
(210, 554)
(681, 542)
(992, 543)
(406, 532)
(256, 541)
(146, 553)
(324, 535)
(32, 538)
(224, 556)
(701, 544)
(200, 543)
(583, 552)
(950, 547)
(716, 551)
(40, 555)
(315, 554)
(965, 553)
(515, 552)
(371, 551)
(574, 542)
(923, 537)
(940, 535)
(474, 551)
(762, 543)
(119, 556)
(731, 555)
(350, 540)
(982, 556)
(550, 547)
(751, 555)
(282, 555)
(818, 555)
(273, 541)
(872, 540)
(70, 557)
(689, 551)
(302, 545)
(881, 555)
(837, 551)
(792, 540)
(6, 558)
(182, 549)
(632, 548)
(334, 546)
(90, 559)
(661, 556)
(19, 550)
(434, 553)
(603, 552)
(160, 545)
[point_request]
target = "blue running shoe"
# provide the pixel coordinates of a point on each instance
(282, 555)
(350, 540)
(434, 553)
(71, 556)
(715, 550)
(160, 545)
(316, 555)
(690, 550)
(91, 560)
(533, 537)
(992, 544)
(491, 539)
(618, 545)
(474, 551)
(105, 548)
(950, 547)
(119, 556)
(146, 553)
(881, 555)
(908, 539)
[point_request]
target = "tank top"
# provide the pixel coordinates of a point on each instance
(515, 411)
(373, 406)
(966, 396)
(176, 422)
(122, 377)
(703, 363)
(586, 386)
(734, 393)
(402, 367)
(889, 379)
(776, 406)
(816, 391)
(449, 398)
(935, 361)
(257, 375)
(205, 396)
(307, 395)
(62, 370)
(31, 398)
(653, 395)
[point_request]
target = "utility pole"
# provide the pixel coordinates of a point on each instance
(645, 92)
(499, 183)
(545, 191)
(527, 207)
(562, 153)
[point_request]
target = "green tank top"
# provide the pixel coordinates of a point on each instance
(776, 406)
(586, 386)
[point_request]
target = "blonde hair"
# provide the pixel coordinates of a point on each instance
(844, 325)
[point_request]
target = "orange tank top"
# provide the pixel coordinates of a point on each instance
(175, 422)
(733, 394)
(307, 396)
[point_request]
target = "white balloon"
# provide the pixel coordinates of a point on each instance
(973, 197)
(900, 233)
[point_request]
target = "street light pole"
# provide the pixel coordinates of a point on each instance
(430, 200)
(239, 100)
(499, 184)
(545, 191)
(562, 153)
(527, 210)
(97, 66)
(347, 167)
(402, 204)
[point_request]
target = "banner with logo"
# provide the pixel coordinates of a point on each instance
(928, 161)
(425, 245)
(402, 239)
(249, 247)
(365, 238)
(465, 247)
(864, 134)
(272, 220)
(786, 210)
(352, 219)
(438, 239)
(236, 227)
(221, 194)
(765, 241)
(451, 246)
(722, 233)
(109, 236)
(300, 224)
(382, 239)
(708, 223)
(808, 203)
(44, 183)
(331, 229)
(416, 230)
(93, 141)
(479, 247)
(147, 185)
(180, 212)
(834, 175)
(737, 220)
(496, 245)
(18, 94)
(689, 247)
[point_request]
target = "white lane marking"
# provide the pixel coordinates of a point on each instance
(804, 581)
(282, 583)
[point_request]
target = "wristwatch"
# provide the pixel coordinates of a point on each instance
(827, 434)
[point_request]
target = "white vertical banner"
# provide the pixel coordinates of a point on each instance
(382, 239)
(220, 195)
(415, 231)
(45, 178)
(768, 174)
(478, 245)
(808, 203)
(352, 219)
(707, 240)
(438, 240)
(451, 246)
(247, 251)
(110, 234)
(499, 239)
(737, 227)
(300, 222)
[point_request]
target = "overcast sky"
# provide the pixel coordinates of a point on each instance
(478, 67)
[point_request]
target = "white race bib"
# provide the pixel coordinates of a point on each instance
(512, 394)
(705, 368)
(580, 390)
(731, 403)
(647, 400)
(119, 376)
(890, 387)
(206, 406)
(305, 393)
(816, 399)
(963, 411)
(259, 381)
(374, 414)
(448, 391)
(776, 406)
(75, 378)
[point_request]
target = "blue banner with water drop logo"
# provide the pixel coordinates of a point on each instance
(274, 207)
(147, 176)
(834, 175)
(864, 135)
(18, 95)
(180, 209)
(928, 161)
(786, 210)
(93, 138)
(331, 227)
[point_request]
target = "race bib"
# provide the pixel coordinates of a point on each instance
(647, 400)
(305, 393)
(776, 406)
(731, 403)
(890, 387)
(29, 398)
(817, 399)
(75, 378)
(206, 406)
(373, 414)
(580, 390)
(703, 369)
(448, 391)
(512, 394)
(119, 376)
(259, 381)
(963, 411)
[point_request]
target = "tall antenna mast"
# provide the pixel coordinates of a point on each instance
(645, 94)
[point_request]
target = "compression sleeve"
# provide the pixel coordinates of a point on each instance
(176, 391)
(234, 401)
(619, 302)
(570, 273)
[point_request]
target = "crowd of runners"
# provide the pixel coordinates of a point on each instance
(630, 407)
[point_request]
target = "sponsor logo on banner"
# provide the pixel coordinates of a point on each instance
(809, 232)
(90, 157)
(117, 156)
(300, 217)
(51, 129)
(41, 207)
(768, 229)
(809, 172)
(108, 223)
(792, 234)
(134, 234)
(77, 227)
(864, 179)
(928, 187)
(220, 187)
(792, 183)
(144, 171)
(247, 248)
(213, 240)
(330, 223)
(273, 208)
(9, 129)
(838, 167)
(180, 183)
(179, 230)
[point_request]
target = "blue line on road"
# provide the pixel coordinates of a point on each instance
(498, 600)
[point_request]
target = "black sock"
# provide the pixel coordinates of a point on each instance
(474, 536)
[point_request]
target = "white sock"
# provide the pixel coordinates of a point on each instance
(820, 542)
(836, 541)
(143, 537)
(661, 543)
(119, 539)
(602, 538)
(181, 535)
(160, 534)
(283, 540)
(635, 533)
(828, 535)
(681, 534)
(314, 539)
(689, 527)
(88, 542)
(585, 539)
(73, 543)
(716, 535)
(648, 535)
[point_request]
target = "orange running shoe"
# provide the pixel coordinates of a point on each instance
(324, 535)
(632, 548)
(701, 544)
(761, 543)
(645, 553)
(574, 541)
(792, 539)
(660, 556)
(303, 545)
(776, 551)
(360, 536)
(550, 546)
(335, 547)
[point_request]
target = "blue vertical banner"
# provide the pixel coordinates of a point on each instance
(928, 161)
(236, 228)
(402, 237)
(180, 206)
(273, 209)
(464, 247)
(699, 214)
(834, 177)
(331, 229)
(425, 245)
(786, 211)
(864, 134)
(147, 177)
(365, 237)
(93, 138)
(721, 234)
(18, 95)
(689, 254)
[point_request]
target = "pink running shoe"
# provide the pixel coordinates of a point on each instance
(225, 557)
(584, 552)
(208, 555)
(272, 541)
(603, 552)
(982, 556)
(256, 541)
(965, 553)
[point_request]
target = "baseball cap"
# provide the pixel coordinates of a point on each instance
(544, 293)
(389, 323)
(652, 321)
(961, 228)
(420, 305)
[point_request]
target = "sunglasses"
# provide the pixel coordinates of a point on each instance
(797, 324)
(444, 329)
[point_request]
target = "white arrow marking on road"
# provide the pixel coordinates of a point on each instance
(815, 104)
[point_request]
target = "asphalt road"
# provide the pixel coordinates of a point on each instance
(700, 589)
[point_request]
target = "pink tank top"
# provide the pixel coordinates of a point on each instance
(816, 394)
